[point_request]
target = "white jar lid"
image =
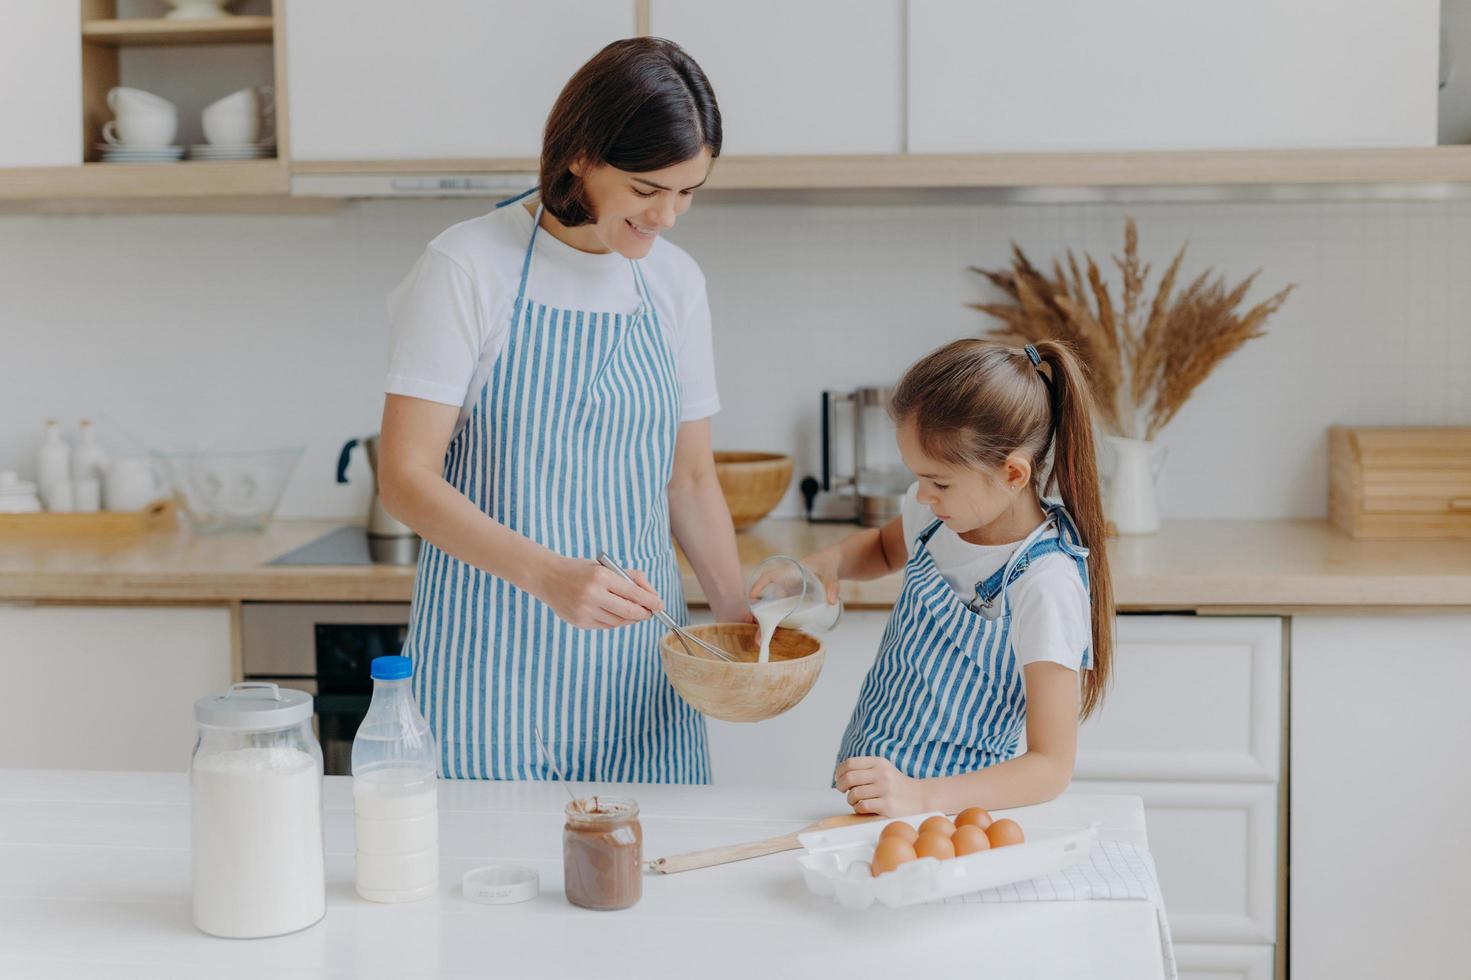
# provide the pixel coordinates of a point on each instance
(254, 706)
(501, 884)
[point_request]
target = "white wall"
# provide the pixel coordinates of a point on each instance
(229, 330)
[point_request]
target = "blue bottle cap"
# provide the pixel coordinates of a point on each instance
(392, 668)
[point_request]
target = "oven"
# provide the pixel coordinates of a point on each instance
(323, 648)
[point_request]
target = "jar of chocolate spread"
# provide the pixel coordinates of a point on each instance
(602, 853)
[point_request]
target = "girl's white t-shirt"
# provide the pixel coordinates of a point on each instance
(450, 316)
(1050, 614)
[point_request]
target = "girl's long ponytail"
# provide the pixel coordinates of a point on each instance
(1075, 479)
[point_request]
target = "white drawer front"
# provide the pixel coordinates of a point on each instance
(1198, 961)
(1215, 847)
(1195, 698)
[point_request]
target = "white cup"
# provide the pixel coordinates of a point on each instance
(236, 119)
(134, 128)
(132, 483)
(120, 98)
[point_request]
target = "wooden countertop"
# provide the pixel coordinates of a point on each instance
(1221, 566)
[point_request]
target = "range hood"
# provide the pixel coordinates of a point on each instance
(370, 185)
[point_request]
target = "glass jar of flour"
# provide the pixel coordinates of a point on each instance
(255, 790)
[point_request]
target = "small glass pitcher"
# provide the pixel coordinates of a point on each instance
(787, 593)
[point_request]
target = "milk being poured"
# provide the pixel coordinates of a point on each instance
(769, 613)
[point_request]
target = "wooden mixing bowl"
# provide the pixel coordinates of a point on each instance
(753, 483)
(746, 690)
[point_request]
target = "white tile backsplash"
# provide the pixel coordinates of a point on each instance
(270, 329)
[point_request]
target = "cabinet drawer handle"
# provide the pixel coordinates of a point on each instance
(1461, 503)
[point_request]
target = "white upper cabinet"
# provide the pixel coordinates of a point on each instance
(40, 83)
(988, 76)
(385, 79)
(815, 77)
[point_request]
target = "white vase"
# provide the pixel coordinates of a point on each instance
(1129, 494)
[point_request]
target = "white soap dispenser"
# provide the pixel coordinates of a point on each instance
(88, 458)
(88, 463)
(53, 469)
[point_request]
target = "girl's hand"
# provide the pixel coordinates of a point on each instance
(587, 595)
(824, 565)
(873, 785)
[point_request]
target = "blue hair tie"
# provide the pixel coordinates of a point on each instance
(1033, 356)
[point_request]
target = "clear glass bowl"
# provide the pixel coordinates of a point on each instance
(230, 491)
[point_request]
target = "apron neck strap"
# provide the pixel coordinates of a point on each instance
(526, 260)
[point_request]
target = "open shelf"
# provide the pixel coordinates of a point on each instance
(121, 181)
(158, 31)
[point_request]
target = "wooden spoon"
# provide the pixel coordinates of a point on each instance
(741, 852)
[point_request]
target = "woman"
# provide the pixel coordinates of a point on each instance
(550, 385)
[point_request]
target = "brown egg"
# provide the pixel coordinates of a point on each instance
(969, 839)
(899, 829)
(1004, 832)
(975, 816)
(890, 853)
(937, 825)
(933, 845)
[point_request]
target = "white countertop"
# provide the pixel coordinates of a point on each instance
(94, 881)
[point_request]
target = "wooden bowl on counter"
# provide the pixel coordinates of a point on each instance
(746, 690)
(753, 483)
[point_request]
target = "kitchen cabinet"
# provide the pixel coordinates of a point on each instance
(383, 79)
(1197, 961)
(995, 76)
(107, 687)
(1193, 724)
(1381, 860)
(41, 78)
(822, 76)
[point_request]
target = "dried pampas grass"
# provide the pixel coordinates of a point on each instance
(1143, 359)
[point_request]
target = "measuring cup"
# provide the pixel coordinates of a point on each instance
(790, 594)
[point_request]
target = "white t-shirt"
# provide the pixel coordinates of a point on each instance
(450, 316)
(1050, 614)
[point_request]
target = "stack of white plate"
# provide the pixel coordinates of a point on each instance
(232, 151)
(117, 153)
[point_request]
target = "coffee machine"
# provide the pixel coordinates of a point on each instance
(390, 541)
(878, 478)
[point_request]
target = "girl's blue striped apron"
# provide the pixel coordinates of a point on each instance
(571, 443)
(945, 693)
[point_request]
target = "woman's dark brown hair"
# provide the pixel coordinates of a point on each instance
(974, 403)
(640, 104)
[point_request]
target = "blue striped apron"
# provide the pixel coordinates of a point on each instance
(571, 443)
(945, 693)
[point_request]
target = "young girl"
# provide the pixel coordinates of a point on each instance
(1006, 597)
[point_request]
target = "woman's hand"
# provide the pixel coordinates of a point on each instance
(873, 785)
(587, 595)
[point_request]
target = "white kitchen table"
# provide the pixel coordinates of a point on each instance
(94, 882)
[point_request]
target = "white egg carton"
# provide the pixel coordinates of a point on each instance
(835, 863)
